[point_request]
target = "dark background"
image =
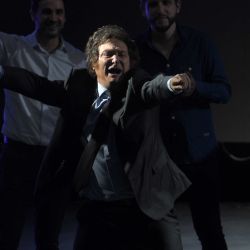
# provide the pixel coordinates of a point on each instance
(226, 22)
(228, 25)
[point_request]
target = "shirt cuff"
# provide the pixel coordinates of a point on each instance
(168, 83)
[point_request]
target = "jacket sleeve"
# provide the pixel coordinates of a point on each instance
(142, 93)
(150, 91)
(31, 85)
(64, 150)
(156, 90)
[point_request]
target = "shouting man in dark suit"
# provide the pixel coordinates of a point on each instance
(107, 145)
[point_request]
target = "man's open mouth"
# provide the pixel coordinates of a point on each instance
(114, 71)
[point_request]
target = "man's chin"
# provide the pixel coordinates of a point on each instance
(116, 78)
(162, 25)
(52, 33)
(161, 28)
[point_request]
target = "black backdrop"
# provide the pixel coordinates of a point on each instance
(228, 25)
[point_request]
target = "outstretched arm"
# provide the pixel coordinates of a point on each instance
(143, 92)
(162, 87)
(33, 86)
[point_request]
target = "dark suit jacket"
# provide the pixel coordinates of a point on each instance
(154, 177)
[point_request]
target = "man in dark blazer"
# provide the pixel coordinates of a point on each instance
(130, 188)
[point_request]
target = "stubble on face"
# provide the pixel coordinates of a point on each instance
(162, 26)
(161, 15)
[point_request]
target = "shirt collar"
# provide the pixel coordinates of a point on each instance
(34, 43)
(182, 36)
(101, 89)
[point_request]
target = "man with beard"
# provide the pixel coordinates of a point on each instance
(186, 123)
(29, 124)
(108, 143)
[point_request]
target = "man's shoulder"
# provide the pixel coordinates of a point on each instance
(81, 88)
(76, 55)
(8, 37)
(142, 37)
(80, 72)
(71, 48)
(80, 78)
(189, 32)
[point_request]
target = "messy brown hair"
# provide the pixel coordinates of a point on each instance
(103, 35)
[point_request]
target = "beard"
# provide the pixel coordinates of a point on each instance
(162, 27)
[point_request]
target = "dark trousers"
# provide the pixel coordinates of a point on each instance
(204, 201)
(122, 225)
(19, 166)
(50, 206)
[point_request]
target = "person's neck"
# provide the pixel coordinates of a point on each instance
(49, 44)
(164, 42)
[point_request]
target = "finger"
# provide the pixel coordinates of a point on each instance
(186, 80)
(176, 80)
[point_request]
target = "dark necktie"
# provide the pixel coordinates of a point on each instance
(96, 108)
(96, 125)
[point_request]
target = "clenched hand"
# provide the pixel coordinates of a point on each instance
(183, 83)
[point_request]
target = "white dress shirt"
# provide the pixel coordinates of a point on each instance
(25, 119)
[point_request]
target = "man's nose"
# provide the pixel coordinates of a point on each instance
(53, 16)
(115, 57)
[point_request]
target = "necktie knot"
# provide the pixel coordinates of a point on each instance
(97, 106)
(102, 99)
